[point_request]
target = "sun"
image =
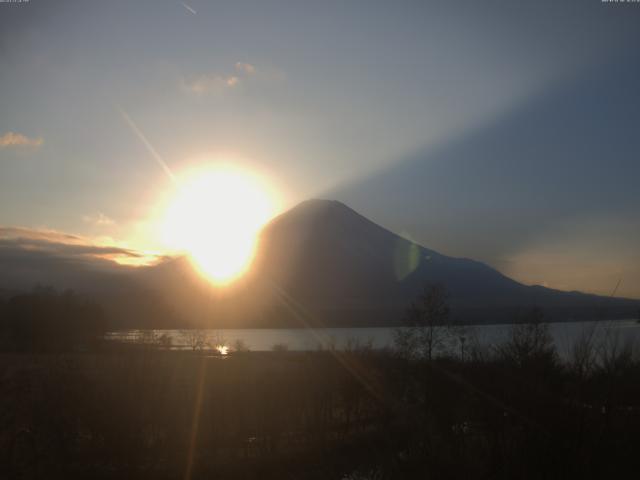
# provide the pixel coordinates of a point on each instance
(215, 216)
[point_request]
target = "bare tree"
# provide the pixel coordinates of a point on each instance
(583, 353)
(425, 324)
(165, 341)
(148, 338)
(458, 339)
(530, 342)
(240, 346)
(194, 338)
(615, 354)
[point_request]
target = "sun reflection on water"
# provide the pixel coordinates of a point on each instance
(222, 349)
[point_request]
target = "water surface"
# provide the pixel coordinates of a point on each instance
(300, 339)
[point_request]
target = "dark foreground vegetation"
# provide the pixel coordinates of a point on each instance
(103, 410)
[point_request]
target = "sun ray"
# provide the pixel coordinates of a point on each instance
(154, 153)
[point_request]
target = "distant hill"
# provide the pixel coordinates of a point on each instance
(322, 264)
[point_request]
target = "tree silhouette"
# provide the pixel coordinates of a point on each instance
(45, 320)
(424, 321)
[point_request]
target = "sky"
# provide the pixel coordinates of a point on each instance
(500, 131)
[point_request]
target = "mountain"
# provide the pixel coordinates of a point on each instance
(557, 171)
(345, 269)
(321, 264)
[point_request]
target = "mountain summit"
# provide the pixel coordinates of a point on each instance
(320, 263)
(348, 270)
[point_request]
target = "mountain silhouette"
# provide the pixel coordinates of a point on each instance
(566, 157)
(323, 264)
(347, 269)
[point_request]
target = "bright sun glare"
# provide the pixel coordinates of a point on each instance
(216, 216)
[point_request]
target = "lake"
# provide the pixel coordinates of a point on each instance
(300, 339)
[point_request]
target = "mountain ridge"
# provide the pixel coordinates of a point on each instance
(321, 263)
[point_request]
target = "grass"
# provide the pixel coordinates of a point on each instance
(128, 412)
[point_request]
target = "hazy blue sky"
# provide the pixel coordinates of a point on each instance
(326, 98)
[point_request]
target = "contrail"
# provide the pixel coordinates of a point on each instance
(188, 8)
(156, 156)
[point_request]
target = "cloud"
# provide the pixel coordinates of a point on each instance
(17, 140)
(31, 257)
(98, 219)
(216, 82)
(38, 234)
(210, 83)
(52, 241)
(245, 68)
(20, 242)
